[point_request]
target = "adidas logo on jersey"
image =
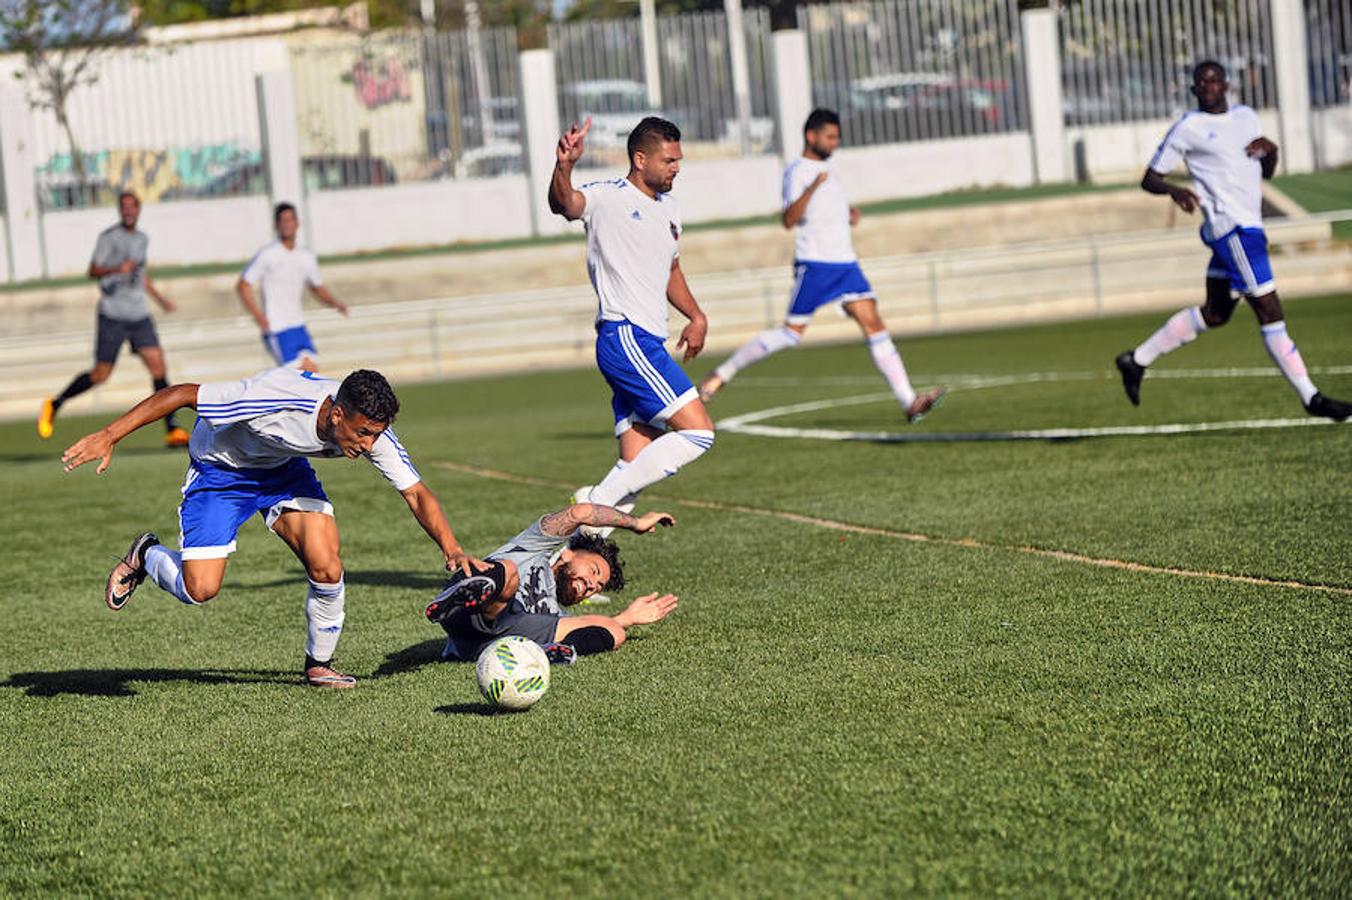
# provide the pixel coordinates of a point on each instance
(635, 216)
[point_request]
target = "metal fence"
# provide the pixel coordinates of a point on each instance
(1329, 30)
(1129, 60)
(378, 110)
(601, 74)
(917, 71)
(168, 123)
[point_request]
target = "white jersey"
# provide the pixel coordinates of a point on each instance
(823, 233)
(282, 275)
(1228, 181)
(267, 420)
(631, 244)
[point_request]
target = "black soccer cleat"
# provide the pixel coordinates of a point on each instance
(1132, 373)
(469, 591)
(560, 654)
(129, 572)
(1337, 410)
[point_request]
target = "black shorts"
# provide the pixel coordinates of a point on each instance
(469, 634)
(113, 333)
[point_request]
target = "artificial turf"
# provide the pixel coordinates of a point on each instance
(827, 713)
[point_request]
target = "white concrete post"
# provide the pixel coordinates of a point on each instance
(1042, 68)
(281, 145)
(18, 164)
(793, 90)
(652, 69)
(1291, 60)
(741, 74)
(540, 125)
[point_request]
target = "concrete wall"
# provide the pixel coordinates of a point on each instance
(1123, 150)
(929, 167)
(1333, 136)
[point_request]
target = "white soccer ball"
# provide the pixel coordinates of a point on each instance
(513, 673)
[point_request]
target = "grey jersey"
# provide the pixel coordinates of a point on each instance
(122, 296)
(531, 551)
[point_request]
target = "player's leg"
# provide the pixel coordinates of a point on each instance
(313, 537)
(689, 436)
(109, 336)
(589, 634)
(145, 342)
(864, 311)
(1283, 351)
(767, 343)
(294, 347)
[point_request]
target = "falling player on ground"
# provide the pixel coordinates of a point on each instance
(826, 271)
(1228, 158)
(247, 456)
(533, 578)
(633, 225)
(119, 266)
(282, 271)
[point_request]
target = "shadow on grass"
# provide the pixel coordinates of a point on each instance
(410, 659)
(470, 709)
(117, 682)
(371, 578)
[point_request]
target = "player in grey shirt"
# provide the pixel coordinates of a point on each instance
(119, 266)
(536, 575)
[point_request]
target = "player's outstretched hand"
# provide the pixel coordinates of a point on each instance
(692, 338)
(650, 608)
(1186, 199)
(649, 522)
(571, 144)
(465, 563)
(98, 445)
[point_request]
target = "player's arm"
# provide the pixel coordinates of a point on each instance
(1265, 151)
(794, 212)
(245, 290)
(425, 508)
(99, 445)
(566, 521)
(325, 296)
(97, 268)
(564, 199)
(1154, 183)
(165, 303)
(679, 296)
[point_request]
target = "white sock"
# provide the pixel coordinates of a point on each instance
(324, 616)
(1182, 328)
(888, 361)
(756, 349)
(165, 568)
(1284, 353)
(661, 459)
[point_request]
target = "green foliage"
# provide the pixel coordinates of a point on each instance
(827, 713)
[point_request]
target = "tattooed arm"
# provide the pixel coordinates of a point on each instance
(566, 521)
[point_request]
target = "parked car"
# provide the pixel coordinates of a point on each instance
(319, 173)
(615, 106)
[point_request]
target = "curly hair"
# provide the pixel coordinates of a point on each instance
(368, 393)
(607, 550)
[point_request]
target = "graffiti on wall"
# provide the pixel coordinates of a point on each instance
(380, 81)
(152, 174)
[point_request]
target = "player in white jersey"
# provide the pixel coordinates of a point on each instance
(1227, 158)
(248, 455)
(633, 227)
(826, 271)
(282, 271)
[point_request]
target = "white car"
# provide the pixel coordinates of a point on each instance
(615, 106)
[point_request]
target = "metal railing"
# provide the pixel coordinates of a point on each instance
(601, 70)
(1131, 60)
(375, 111)
(1328, 26)
(167, 123)
(913, 71)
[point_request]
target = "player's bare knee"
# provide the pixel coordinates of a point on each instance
(99, 374)
(1216, 317)
(201, 588)
(328, 571)
(1267, 308)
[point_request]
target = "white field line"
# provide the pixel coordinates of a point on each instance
(913, 537)
(969, 381)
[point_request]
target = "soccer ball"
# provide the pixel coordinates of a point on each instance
(513, 673)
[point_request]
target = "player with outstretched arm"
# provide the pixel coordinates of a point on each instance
(248, 455)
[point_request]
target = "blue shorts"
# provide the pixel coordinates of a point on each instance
(1241, 256)
(217, 500)
(646, 384)
(290, 344)
(816, 284)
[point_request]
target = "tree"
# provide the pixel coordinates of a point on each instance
(60, 40)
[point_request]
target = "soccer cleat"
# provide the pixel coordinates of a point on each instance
(129, 572)
(711, 385)
(468, 591)
(560, 654)
(1132, 373)
(923, 403)
(176, 437)
(324, 676)
(1337, 410)
(46, 418)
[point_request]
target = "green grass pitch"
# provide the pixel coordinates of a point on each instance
(829, 712)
